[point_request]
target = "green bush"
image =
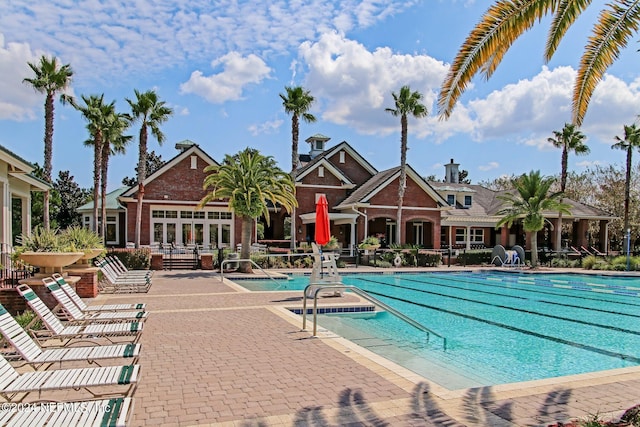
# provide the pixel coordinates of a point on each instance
(134, 259)
(380, 263)
(27, 317)
(475, 257)
(559, 263)
(589, 261)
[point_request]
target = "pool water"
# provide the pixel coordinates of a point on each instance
(499, 327)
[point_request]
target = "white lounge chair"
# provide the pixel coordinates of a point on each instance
(73, 296)
(129, 331)
(69, 311)
(35, 356)
(88, 413)
(112, 283)
(13, 383)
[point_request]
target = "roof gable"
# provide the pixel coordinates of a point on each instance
(193, 150)
(328, 167)
(327, 154)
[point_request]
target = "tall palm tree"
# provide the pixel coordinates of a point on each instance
(630, 141)
(151, 112)
(297, 102)
(569, 139)
(250, 182)
(96, 113)
(506, 20)
(114, 142)
(406, 103)
(528, 204)
(50, 79)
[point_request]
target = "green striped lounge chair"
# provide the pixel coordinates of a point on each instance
(112, 332)
(108, 270)
(73, 296)
(88, 413)
(111, 283)
(69, 311)
(35, 356)
(14, 384)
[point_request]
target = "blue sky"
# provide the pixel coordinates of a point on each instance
(221, 65)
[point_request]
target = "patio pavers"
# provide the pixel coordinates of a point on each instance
(215, 356)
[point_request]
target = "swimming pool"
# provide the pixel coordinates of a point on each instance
(500, 327)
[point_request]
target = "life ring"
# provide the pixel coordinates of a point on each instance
(397, 261)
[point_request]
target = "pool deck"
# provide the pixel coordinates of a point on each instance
(215, 355)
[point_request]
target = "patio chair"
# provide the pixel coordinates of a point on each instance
(35, 356)
(129, 331)
(71, 293)
(111, 283)
(104, 412)
(13, 383)
(121, 269)
(69, 311)
(114, 276)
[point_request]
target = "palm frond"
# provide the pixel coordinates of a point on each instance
(616, 24)
(566, 14)
(487, 43)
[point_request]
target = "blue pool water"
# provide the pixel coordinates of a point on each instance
(500, 327)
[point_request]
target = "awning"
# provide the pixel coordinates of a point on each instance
(336, 218)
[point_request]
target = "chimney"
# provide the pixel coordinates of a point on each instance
(451, 172)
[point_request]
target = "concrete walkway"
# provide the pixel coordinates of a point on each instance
(215, 355)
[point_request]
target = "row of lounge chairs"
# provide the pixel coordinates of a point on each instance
(116, 278)
(113, 332)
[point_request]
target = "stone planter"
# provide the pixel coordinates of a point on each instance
(85, 259)
(50, 262)
(370, 247)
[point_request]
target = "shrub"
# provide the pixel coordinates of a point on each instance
(380, 263)
(134, 259)
(559, 263)
(27, 317)
(589, 261)
(475, 257)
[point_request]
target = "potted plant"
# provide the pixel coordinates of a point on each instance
(370, 243)
(332, 244)
(43, 248)
(84, 240)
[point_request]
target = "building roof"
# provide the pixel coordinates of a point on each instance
(344, 145)
(112, 201)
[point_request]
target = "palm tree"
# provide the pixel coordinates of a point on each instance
(152, 113)
(49, 79)
(630, 141)
(96, 113)
(114, 142)
(406, 102)
(506, 20)
(569, 139)
(297, 102)
(528, 204)
(250, 182)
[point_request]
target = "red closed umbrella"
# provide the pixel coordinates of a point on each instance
(322, 235)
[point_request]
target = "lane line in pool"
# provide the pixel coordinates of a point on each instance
(518, 297)
(582, 322)
(523, 331)
(538, 291)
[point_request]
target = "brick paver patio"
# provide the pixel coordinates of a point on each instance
(213, 355)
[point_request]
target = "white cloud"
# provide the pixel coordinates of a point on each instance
(102, 38)
(489, 166)
(354, 84)
(238, 72)
(587, 163)
(17, 100)
(266, 127)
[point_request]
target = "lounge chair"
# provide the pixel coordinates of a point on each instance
(13, 383)
(69, 311)
(73, 296)
(88, 413)
(597, 252)
(111, 283)
(119, 269)
(36, 356)
(130, 331)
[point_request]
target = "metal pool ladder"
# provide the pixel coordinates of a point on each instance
(319, 287)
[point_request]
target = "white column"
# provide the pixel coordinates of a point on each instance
(352, 243)
(468, 237)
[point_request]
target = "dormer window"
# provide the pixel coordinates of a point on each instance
(451, 199)
(467, 201)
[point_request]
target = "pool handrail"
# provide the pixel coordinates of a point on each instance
(244, 260)
(356, 290)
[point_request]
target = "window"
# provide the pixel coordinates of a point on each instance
(476, 235)
(194, 162)
(451, 199)
(418, 232)
(186, 214)
(342, 157)
(467, 201)
(321, 171)
(319, 145)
